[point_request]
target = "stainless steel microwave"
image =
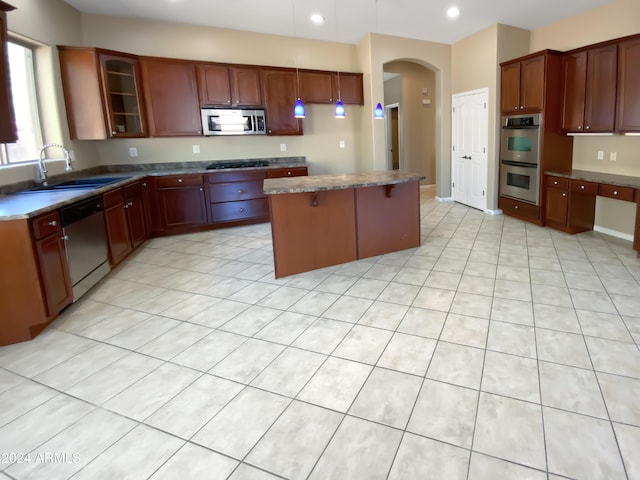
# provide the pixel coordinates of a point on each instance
(222, 121)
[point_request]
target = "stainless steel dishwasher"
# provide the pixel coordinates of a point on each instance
(86, 241)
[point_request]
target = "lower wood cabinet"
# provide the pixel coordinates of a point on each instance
(518, 209)
(124, 214)
(52, 260)
(570, 204)
(181, 202)
(287, 172)
(35, 285)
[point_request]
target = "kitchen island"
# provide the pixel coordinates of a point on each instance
(325, 220)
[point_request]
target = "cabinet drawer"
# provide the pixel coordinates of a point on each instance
(112, 198)
(231, 211)
(584, 187)
(168, 181)
(557, 182)
(287, 172)
(619, 193)
(520, 209)
(237, 176)
(46, 224)
(231, 192)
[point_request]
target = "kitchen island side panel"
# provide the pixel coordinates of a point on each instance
(388, 218)
(312, 230)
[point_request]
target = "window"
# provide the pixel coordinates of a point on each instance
(25, 107)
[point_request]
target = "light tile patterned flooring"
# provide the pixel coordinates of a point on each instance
(496, 350)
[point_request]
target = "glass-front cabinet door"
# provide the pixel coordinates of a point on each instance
(121, 79)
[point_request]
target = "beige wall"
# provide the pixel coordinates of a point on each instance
(613, 20)
(46, 23)
(418, 121)
(382, 49)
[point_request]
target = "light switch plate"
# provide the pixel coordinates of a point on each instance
(283, 147)
(600, 155)
(133, 152)
(196, 148)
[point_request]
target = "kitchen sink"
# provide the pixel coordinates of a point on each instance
(76, 183)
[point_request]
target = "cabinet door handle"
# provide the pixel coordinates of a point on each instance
(179, 180)
(239, 191)
(564, 194)
(615, 192)
(579, 127)
(64, 237)
(144, 184)
(555, 182)
(201, 189)
(587, 127)
(130, 204)
(242, 209)
(515, 206)
(126, 205)
(516, 107)
(521, 107)
(582, 187)
(53, 223)
(288, 173)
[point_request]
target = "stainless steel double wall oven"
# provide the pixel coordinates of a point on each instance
(520, 157)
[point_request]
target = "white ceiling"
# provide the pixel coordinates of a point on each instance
(347, 20)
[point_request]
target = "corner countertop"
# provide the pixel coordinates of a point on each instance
(28, 205)
(598, 177)
(316, 183)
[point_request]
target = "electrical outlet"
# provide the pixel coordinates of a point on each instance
(196, 148)
(341, 143)
(613, 156)
(133, 152)
(283, 147)
(600, 155)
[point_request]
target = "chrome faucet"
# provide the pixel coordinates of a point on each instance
(42, 168)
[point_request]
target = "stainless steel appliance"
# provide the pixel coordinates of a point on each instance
(86, 243)
(520, 157)
(222, 121)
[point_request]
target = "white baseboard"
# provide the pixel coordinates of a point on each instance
(494, 212)
(613, 233)
(444, 199)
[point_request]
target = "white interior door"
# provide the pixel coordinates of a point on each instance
(469, 135)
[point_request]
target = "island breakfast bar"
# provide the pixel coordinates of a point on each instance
(325, 220)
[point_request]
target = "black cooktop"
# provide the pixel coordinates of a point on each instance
(238, 164)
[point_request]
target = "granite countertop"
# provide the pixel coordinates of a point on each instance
(27, 205)
(598, 177)
(318, 183)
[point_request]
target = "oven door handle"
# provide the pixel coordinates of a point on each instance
(520, 164)
(524, 127)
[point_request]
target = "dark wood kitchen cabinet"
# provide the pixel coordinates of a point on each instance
(570, 204)
(237, 197)
(171, 95)
(227, 86)
(326, 87)
(280, 93)
(589, 93)
(287, 172)
(181, 202)
(628, 107)
(52, 259)
(8, 131)
(523, 85)
(35, 285)
(124, 214)
(102, 93)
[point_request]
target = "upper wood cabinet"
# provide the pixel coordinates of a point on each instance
(171, 97)
(328, 87)
(628, 116)
(590, 90)
(8, 130)
(226, 86)
(102, 94)
(523, 85)
(348, 87)
(280, 94)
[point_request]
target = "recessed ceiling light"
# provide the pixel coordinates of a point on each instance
(453, 12)
(317, 18)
